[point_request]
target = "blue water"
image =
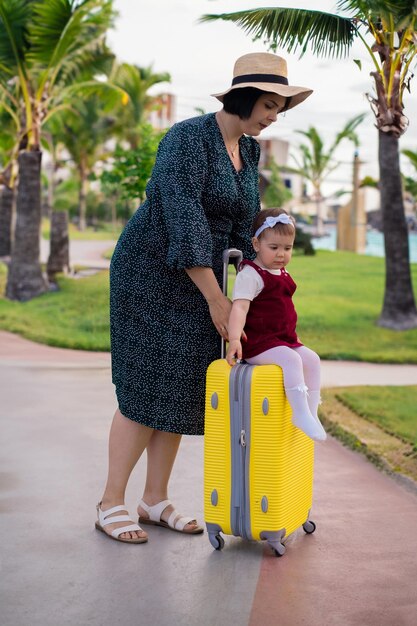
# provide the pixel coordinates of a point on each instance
(374, 243)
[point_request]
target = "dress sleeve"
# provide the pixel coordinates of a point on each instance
(248, 284)
(181, 173)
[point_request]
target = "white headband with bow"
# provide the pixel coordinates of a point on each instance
(271, 221)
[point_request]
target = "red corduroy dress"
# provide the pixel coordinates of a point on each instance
(271, 320)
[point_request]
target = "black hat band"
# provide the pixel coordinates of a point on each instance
(260, 78)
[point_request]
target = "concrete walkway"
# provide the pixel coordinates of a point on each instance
(83, 253)
(334, 373)
(358, 569)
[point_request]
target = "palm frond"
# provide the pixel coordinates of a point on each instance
(9, 91)
(63, 28)
(8, 129)
(398, 9)
(136, 81)
(348, 132)
(15, 16)
(95, 59)
(111, 95)
(295, 29)
(412, 156)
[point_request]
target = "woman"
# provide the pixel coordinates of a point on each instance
(167, 305)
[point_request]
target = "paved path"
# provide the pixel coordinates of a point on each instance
(335, 373)
(84, 253)
(358, 569)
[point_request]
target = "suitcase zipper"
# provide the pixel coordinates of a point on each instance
(245, 403)
(240, 435)
(237, 450)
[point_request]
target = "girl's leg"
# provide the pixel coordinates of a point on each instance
(311, 367)
(161, 451)
(295, 387)
(127, 441)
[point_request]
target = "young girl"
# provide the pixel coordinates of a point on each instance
(263, 310)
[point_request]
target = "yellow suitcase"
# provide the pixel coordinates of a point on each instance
(258, 467)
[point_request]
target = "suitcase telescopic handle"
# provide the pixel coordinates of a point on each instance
(228, 255)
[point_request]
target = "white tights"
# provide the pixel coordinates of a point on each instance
(301, 369)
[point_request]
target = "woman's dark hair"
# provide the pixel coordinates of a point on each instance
(241, 101)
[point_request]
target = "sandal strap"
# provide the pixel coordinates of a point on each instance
(115, 519)
(181, 521)
(155, 511)
(103, 514)
(125, 529)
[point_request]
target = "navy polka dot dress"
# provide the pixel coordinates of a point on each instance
(162, 335)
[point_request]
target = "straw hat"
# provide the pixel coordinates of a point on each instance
(267, 72)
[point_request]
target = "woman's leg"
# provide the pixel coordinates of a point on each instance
(295, 387)
(161, 451)
(127, 441)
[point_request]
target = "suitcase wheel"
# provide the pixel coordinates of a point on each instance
(309, 527)
(279, 549)
(217, 542)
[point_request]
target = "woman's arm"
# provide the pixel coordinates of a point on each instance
(237, 321)
(219, 306)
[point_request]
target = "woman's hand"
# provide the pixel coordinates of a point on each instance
(220, 311)
(219, 305)
(234, 351)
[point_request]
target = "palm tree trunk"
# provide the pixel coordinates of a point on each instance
(399, 309)
(82, 199)
(58, 260)
(6, 220)
(319, 214)
(25, 279)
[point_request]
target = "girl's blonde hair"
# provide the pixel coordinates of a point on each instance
(285, 229)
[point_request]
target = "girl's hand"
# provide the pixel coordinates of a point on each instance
(234, 351)
(220, 312)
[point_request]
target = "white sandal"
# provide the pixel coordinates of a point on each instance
(175, 521)
(105, 520)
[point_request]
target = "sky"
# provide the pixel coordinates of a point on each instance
(200, 57)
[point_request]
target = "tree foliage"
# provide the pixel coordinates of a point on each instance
(387, 30)
(131, 168)
(276, 193)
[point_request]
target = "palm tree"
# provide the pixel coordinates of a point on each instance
(317, 163)
(59, 257)
(83, 132)
(45, 47)
(130, 127)
(135, 81)
(386, 28)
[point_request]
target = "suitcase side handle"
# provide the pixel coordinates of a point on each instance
(235, 255)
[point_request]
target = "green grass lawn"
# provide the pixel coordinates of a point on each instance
(338, 300)
(77, 316)
(392, 408)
